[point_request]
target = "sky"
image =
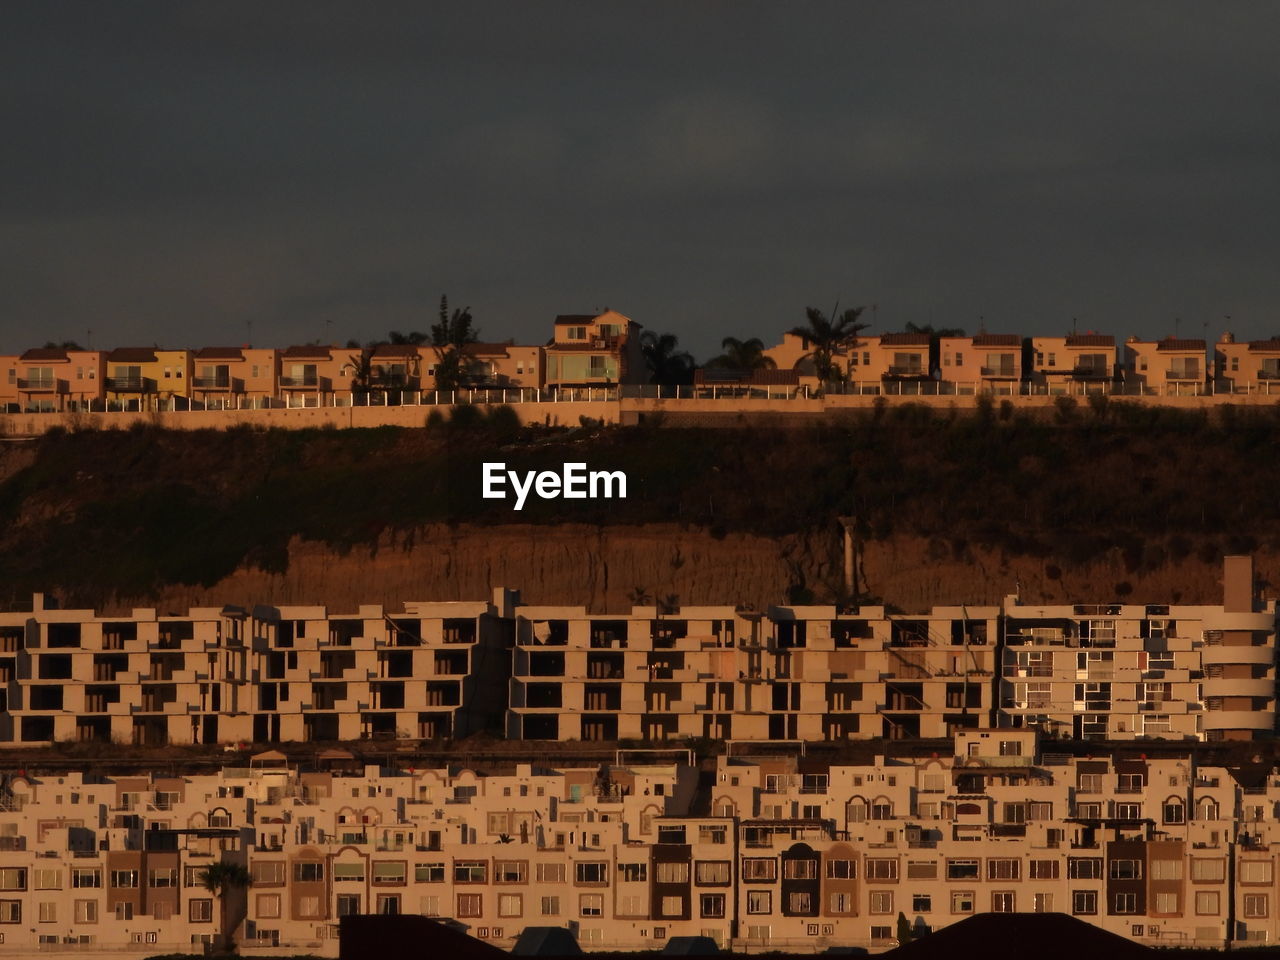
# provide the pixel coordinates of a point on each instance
(278, 173)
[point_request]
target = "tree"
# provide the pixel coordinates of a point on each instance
(904, 929)
(450, 336)
(64, 345)
(668, 364)
(742, 355)
(220, 879)
(829, 335)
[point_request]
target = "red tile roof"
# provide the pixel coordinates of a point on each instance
(132, 355)
(309, 352)
(904, 339)
(576, 318)
(1091, 340)
(219, 353)
(45, 355)
(1264, 346)
(997, 340)
(407, 350)
(1174, 344)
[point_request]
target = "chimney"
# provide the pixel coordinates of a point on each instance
(1237, 584)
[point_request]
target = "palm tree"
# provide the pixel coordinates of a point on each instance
(450, 337)
(668, 365)
(742, 355)
(219, 879)
(829, 334)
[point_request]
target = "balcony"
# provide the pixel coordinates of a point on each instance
(41, 385)
(906, 371)
(130, 384)
(217, 383)
(999, 373)
(1090, 373)
(300, 383)
(1265, 374)
(391, 381)
(1184, 376)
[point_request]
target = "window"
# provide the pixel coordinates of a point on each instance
(1255, 871)
(85, 911)
(800, 869)
(1174, 811)
(85, 878)
(429, 873)
(882, 870)
(709, 833)
(962, 869)
(1044, 869)
(962, 901)
(1207, 870)
(47, 912)
(668, 872)
(1126, 869)
(760, 901)
(922, 903)
(348, 872)
(1255, 905)
(48, 879)
(1128, 811)
(881, 932)
(1166, 903)
(1207, 903)
(268, 906)
(389, 871)
(711, 905)
(673, 906)
(1004, 869)
(10, 911)
(633, 872)
(264, 872)
(200, 911)
(591, 905)
(162, 878)
(922, 870)
(1002, 901)
(510, 905)
(1166, 869)
(348, 904)
(712, 872)
(841, 903)
(1129, 782)
(470, 871)
(881, 901)
(124, 911)
(759, 869)
(308, 872)
(1042, 903)
(595, 872)
(1084, 902)
(550, 873)
(124, 878)
(1126, 903)
(550, 906)
(14, 878)
(841, 870)
(800, 903)
(470, 904)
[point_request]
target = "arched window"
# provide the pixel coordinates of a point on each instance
(1174, 810)
(881, 808)
(1206, 809)
(855, 811)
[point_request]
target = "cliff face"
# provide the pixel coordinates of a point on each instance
(602, 568)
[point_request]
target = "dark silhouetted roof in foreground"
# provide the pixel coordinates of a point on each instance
(1021, 936)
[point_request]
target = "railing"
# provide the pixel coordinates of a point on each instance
(129, 384)
(211, 383)
(290, 383)
(37, 384)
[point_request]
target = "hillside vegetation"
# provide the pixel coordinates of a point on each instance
(100, 515)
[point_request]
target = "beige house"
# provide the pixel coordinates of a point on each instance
(233, 378)
(987, 363)
(1168, 367)
(1247, 367)
(312, 375)
(53, 379)
(1080, 363)
(592, 350)
(147, 378)
(886, 362)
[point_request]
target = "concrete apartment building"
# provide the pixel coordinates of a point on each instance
(1119, 671)
(1080, 363)
(767, 853)
(1247, 367)
(443, 670)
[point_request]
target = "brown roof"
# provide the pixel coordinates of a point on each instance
(488, 349)
(997, 340)
(1268, 346)
(576, 317)
(309, 352)
(44, 354)
(395, 350)
(1172, 343)
(713, 376)
(904, 339)
(219, 353)
(1091, 340)
(581, 345)
(132, 355)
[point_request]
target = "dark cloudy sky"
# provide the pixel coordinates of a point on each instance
(173, 173)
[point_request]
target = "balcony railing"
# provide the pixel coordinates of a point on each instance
(1184, 375)
(39, 385)
(212, 383)
(130, 384)
(1090, 373)
(298, 383)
